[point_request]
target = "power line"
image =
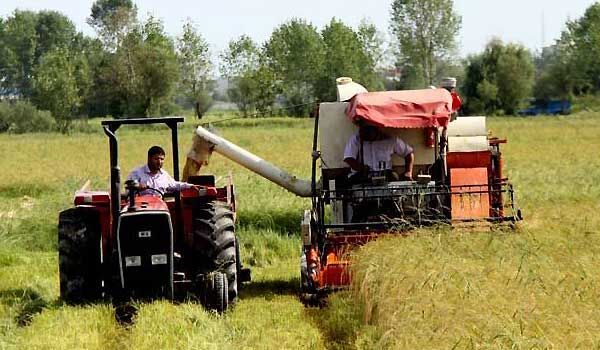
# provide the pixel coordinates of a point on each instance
(259, 114)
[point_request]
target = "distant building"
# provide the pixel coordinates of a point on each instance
(221, 86)
(9, 94)
(393, 74)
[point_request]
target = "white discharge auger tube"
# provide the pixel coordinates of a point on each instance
(258, 165)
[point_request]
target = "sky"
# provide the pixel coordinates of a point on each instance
(532, 23)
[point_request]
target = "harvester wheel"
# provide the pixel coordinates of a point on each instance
(304, 282)
(308, 294)
(215, 243)
(79, 255)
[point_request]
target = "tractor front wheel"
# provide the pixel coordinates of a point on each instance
(216, 296)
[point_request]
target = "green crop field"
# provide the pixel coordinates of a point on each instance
(537, 287)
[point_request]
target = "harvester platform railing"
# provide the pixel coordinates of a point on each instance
(340, 194)
(404, 207)
(401, 225)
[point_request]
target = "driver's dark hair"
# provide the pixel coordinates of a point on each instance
(154, 150)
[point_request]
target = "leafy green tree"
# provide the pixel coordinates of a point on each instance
(113, 65)
(138, 79)
(252, 82)
(349, 53)
(425, 33)
(583, 36)
(571, 66)
(25, 37)
(113, 20)
(53, 30)
(371, 40)
(372, 45)
(19, 46)
(7, 61)
(91, 51)
(554, 75)
(239, 62)
(55, 87)
(267, 88)
(240, 56)
(499, 79)
(295, 53)
(151, 64)
(195, 67)
(343, 57)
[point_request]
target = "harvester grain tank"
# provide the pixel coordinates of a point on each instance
(459, 177)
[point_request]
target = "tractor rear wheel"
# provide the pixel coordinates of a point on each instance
(215, 243)
(79, 255)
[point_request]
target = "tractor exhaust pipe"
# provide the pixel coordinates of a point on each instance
(258, 165)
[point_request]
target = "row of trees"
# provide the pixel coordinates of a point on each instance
(572, 66)
(134, 68)
(299, 65)
(499, 80)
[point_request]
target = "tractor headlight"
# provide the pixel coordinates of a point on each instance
(133, 261)
(159, 259)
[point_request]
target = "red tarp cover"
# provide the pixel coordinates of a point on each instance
(402, 109)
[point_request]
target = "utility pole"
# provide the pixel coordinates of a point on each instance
(543, 30)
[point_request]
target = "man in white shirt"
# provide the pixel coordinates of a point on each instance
(152, 177)
(371, 150)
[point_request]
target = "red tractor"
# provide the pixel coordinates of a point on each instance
(119, 246)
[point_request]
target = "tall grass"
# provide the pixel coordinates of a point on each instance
(533, 288)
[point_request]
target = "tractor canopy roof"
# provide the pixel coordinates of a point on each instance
(402, 109)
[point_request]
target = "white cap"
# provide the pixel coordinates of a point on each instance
(448, 82)
(346, 88)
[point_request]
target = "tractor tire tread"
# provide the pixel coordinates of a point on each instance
(214, 242)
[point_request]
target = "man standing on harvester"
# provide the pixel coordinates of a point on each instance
(371, 150)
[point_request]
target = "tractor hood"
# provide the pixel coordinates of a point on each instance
(402, 109)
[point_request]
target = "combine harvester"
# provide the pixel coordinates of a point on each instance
(459, 179)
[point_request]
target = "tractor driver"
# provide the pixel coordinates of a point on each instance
(371, 150)
(152, 176)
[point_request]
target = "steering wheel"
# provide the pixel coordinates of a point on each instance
(159, 192)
